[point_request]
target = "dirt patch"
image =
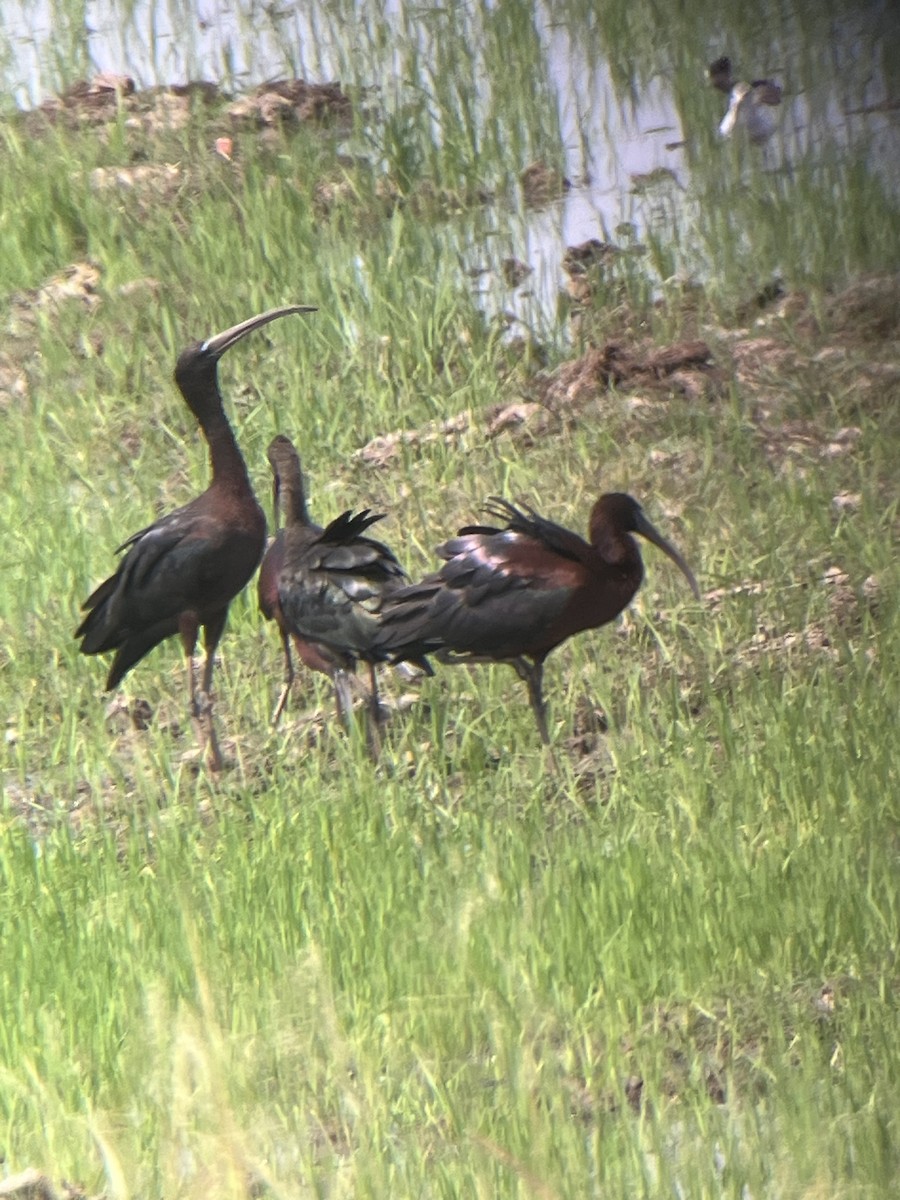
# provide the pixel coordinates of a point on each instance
(555, 399)
(866, 311)
(646, 181)
(382, 450)
(758, 359)
(846, 605)
(800, 440)
(292, 101)
(578, 260)
(542, 184)
(101, 100)
(862, 313)
(589, 267)
(76, 284)
(32, 1185)
(161, 180)
(663, 369)
(514, 272)
(13, 382)
(526, 421)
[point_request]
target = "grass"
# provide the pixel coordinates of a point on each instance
(672, 968)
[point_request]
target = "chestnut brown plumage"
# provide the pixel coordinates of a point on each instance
(514, 593)
(180, 574)
(331, 585)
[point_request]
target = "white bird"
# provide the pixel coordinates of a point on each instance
(747, 102)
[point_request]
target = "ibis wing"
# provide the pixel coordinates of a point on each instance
(496, 594)
(269, 572)
(322, 612)
(334, 581)
(363, 567)
(169, 568)
(529, 524)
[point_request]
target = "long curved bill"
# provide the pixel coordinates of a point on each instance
(652, 534)
(220, 342)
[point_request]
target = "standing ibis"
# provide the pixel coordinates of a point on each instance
(515, 593)
(180, 573)
(288, 492)
(332, 583)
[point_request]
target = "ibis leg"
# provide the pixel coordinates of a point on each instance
(374, 723)
(342, 697)
(288, 678)
(187, 631)
(203, 705)
(533, 674)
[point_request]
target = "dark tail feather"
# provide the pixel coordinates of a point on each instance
(133, 649)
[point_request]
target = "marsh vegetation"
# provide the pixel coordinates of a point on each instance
(670, 968)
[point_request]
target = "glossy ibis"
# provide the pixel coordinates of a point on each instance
(513, 594)
(288, 490)
(180, 573)
(331, 585)
(746, 102)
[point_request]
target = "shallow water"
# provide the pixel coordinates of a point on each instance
(664, 128)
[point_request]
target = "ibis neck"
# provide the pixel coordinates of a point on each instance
(226, 460)
(293, 502)
(615, 547)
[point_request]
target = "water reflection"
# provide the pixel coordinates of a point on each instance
(631, 153)
(167, 41)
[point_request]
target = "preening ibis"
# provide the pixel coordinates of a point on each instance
(514, 593)
(288, 492)
(179, 574)
(332, 583)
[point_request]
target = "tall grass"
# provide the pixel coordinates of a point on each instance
(668, 968)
